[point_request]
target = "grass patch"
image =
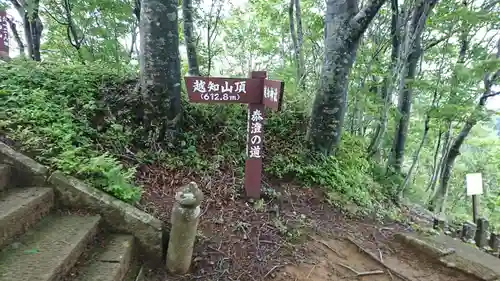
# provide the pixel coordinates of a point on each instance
(56, 112)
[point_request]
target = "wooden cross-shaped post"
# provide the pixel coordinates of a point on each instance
(256, 91)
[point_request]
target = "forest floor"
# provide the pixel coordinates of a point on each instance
(295, 236)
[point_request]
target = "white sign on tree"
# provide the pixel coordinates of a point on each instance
(474, 184)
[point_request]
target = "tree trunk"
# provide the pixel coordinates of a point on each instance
(32, 26)
(438, 201)
(17, 37)
(293, 36)
(415, 158)
(211, 30)
(36, 28)
(344, 26)
(386, 92)
(160, 68)
(189, 39)
(435, 166)
(409, 69)
(75, 38)
(300, 42)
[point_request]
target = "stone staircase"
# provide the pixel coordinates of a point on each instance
(41, 240)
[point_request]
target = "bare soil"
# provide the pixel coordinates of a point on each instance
(294, 235)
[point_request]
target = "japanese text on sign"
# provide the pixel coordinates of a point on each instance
(271, 93)
(255, 134)
(213, 91)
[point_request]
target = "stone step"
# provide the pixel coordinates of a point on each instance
(49, 250)
(4, 176)
(112, 262)
(21, 208)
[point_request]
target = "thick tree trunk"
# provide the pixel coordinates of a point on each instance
(36, 27)
(409, 69)
(189, 39)
(160, 68)
(344, 26)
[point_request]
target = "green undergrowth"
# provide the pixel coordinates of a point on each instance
(56, 112)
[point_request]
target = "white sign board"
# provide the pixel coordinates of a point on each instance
(474, 184)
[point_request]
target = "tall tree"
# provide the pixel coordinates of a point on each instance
(189, 39)
(32, 24)
(344, 26)
(74, 35)
(386, 91)
(160, 68)
(490, 80)
(412, 52)
(300, 46)
(297, 37)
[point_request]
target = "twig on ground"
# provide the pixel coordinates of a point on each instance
(217, 250)
(401, 276)
(310, 271)
(380, 255)
(328, 247)
(363, 273)
(272, 269)
(390, 274)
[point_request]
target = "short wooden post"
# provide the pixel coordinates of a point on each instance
(439, 223)
(453, 231)
(468, 231)
(184, 218)
(481, 236)
(475, 207)
(494, 242)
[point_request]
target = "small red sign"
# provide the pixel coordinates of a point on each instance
(223, 90)
(4, 34)
(273, 94)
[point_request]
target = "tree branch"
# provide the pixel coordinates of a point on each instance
(18, 39)
(492, 94)
(137, 9)
(488, 6)
(359, 23)
(54, 18)
(436, 42)
(16, 4)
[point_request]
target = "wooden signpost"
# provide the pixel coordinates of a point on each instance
(4, 35)
(256, 91)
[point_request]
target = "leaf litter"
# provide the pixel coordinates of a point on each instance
(293, 234)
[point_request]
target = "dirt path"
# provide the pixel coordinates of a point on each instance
(277, 238)
(341, 259)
